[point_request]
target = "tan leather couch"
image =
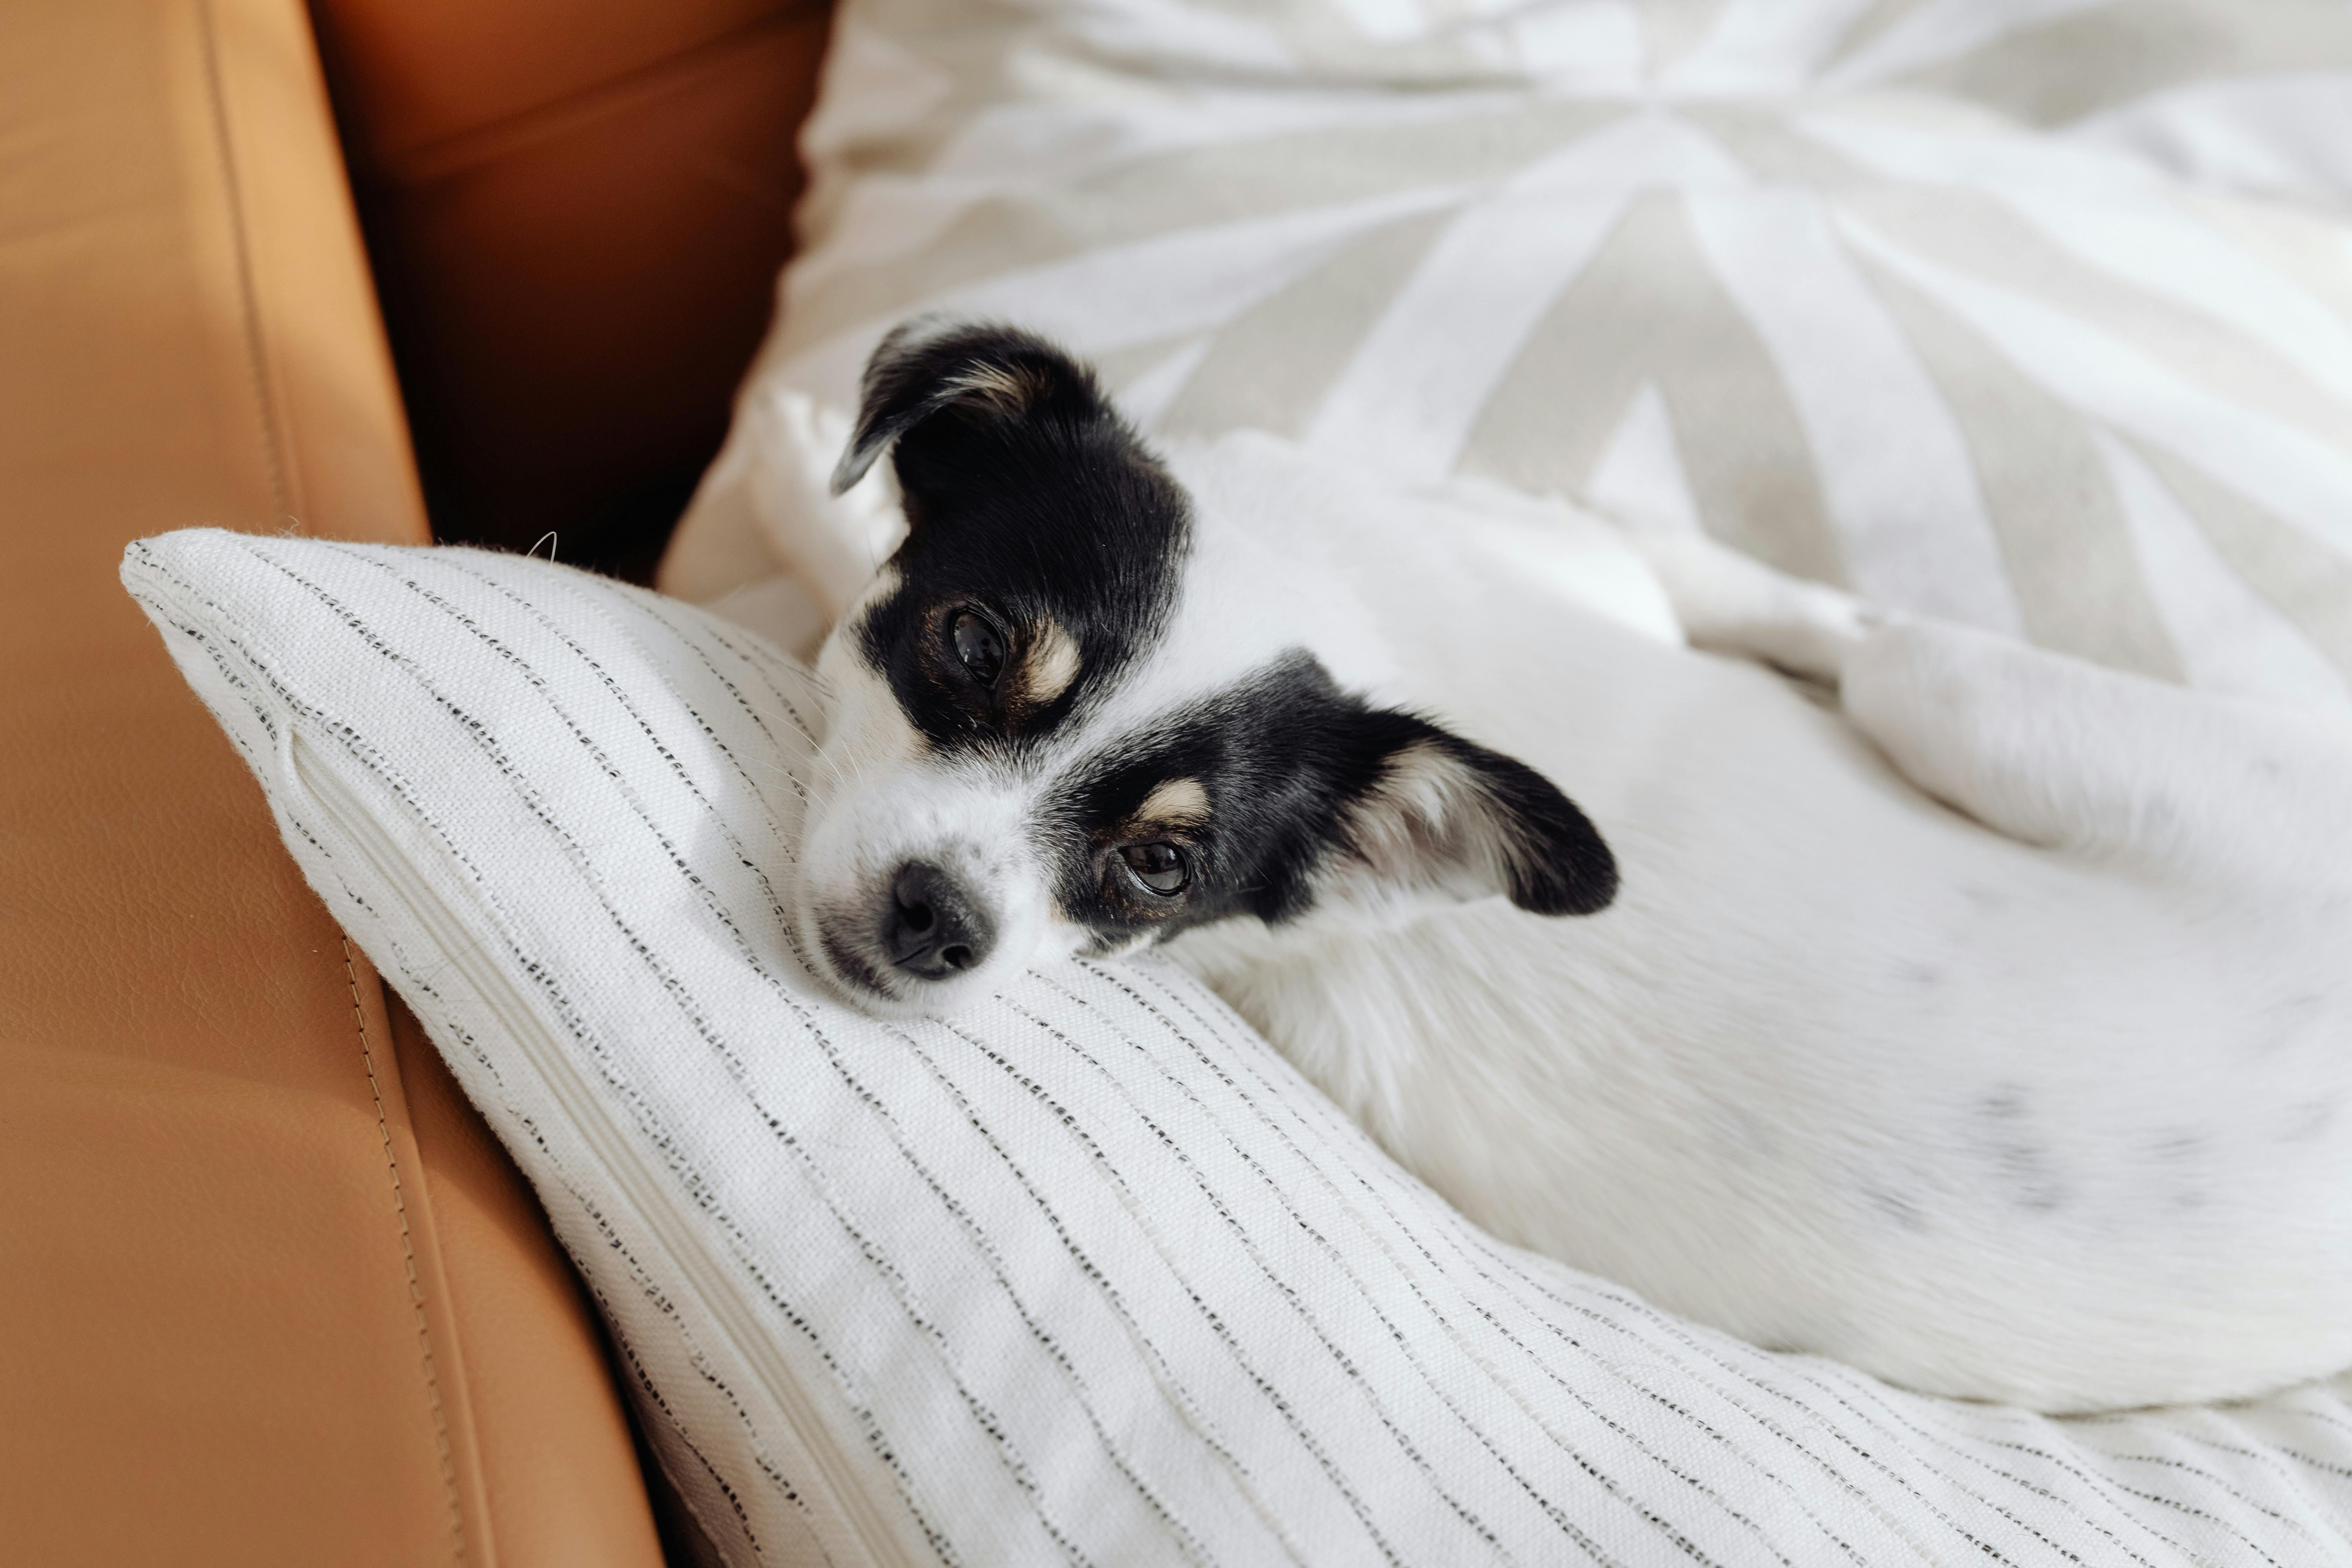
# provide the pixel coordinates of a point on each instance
(269, 1293)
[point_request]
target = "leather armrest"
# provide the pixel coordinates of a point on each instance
(268, 1293)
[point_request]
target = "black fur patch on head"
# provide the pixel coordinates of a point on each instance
(1311, 792)
(1031, 506)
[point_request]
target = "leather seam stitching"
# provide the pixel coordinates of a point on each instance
(256, 363)
(408, 1257)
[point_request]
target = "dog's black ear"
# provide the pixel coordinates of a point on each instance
(1447, 817)
(985, 372)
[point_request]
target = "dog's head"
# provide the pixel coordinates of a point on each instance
(1060, 728)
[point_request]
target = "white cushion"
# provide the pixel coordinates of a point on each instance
(2032, 315)
(1091, 1275)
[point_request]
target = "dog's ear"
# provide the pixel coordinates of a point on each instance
(987, 376)
(1446, 819)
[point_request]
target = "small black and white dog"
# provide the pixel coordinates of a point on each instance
(1993, 1034)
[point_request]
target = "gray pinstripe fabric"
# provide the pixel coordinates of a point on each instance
(1090, 1276)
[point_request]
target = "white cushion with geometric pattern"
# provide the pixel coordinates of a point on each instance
(2035, 314)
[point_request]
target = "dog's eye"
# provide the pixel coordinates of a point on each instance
(979, 646)
(1157, 867)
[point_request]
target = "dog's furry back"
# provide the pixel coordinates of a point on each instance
(1841, 1070)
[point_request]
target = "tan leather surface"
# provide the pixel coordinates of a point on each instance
(578, 208)
(263, 1297)
(531, 1342)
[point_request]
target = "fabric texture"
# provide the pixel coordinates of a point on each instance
(1092, 1276)
(2033, 314)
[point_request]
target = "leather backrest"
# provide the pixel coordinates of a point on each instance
(576, 210)
(269, 1293)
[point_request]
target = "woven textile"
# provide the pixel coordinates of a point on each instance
(2035, 314)
(1090, 1276)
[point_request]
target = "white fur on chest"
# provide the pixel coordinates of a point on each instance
(1841, 1070)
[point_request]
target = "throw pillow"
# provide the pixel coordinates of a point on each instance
(1091, 1275)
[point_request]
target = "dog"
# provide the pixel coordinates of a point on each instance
(1970, 1014)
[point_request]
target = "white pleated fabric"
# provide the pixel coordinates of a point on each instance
(2033, 314)
(1090, 1277)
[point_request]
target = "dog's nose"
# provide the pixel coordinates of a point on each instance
(931, 925)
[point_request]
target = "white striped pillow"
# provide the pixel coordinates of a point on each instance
(2035, 314)
(1091, 1277)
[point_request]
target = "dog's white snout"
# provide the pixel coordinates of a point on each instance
(921, 888)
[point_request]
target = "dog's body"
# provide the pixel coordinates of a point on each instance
(2049, 1101)
(2053, 1105)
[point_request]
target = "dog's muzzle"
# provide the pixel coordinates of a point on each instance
(931, 925)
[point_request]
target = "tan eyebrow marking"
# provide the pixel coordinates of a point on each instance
(1176, 801)
(1052, 664)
